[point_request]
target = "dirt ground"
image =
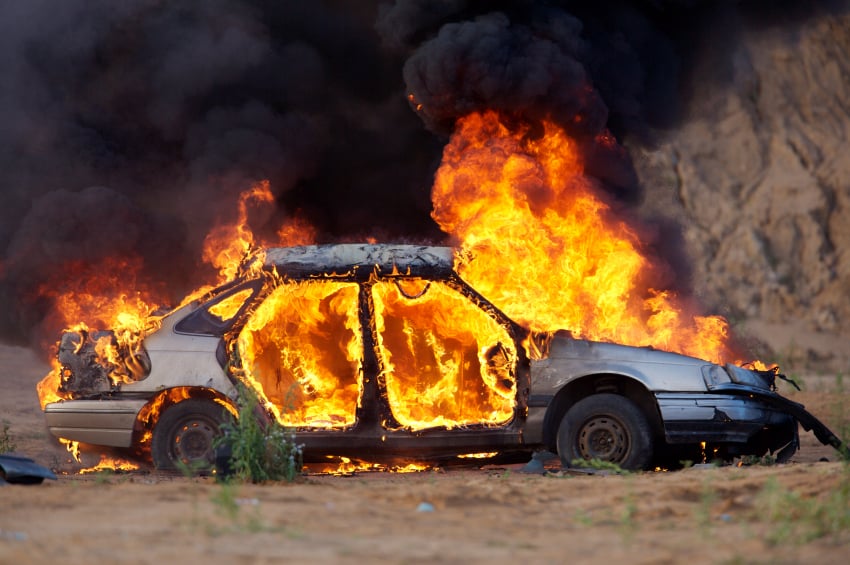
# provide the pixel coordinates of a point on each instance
(793, 513)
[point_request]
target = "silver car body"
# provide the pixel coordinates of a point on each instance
(687, 400)
(681, 387)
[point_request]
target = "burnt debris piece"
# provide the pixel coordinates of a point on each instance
(352, 258)
(82, 371)
(87, 369)
(15, 469)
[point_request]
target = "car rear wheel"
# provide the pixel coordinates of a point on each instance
(606, 427)
(184, 436)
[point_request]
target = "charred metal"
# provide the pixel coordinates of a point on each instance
(502, 389)
(86, 370)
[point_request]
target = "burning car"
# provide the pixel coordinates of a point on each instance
(384, 352)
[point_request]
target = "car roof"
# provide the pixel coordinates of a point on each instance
(361, 259)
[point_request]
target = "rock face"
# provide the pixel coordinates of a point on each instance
(760, 171)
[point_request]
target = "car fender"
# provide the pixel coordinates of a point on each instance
(570, 359)
(182, 360)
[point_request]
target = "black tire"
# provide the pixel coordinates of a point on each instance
(184, 435)
(608, 427)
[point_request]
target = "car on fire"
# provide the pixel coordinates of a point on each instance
(382, 352)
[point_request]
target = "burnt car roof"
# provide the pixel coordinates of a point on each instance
(353, 259)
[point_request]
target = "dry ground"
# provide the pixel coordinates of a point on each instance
(757, 514)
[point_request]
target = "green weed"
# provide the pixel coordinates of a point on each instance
(766, 460)
(225, 499)
(104, 477)
(600, 465)
(7, 442)
(628, 523)
(840, 417)
(708, 496)
(193, 469)
(795, 519)
(258, 454)
(583, 517)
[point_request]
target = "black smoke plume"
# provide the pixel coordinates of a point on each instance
(130, 128)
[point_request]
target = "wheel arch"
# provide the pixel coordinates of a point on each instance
(588, 385)
(152, 411)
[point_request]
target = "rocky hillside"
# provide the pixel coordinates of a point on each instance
(760, 171)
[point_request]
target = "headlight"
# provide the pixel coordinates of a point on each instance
(746, 377)
(714, 375)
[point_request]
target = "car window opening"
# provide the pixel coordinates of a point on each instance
(228, 307)
(302, 349)
(434, 356)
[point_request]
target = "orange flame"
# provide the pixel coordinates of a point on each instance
(296, 231)
(542, 244)
(536, 238)
(445, 363)
(227, 246)
(108, 294)
(149, 414)
(347, 466)
(762, 366)
(107, 463)
(48, 387)
(307, 371)
(73, 448)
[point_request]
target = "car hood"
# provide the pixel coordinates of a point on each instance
(568, 359)
(565, 347)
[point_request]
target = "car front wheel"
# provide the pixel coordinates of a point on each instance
(606, 427)
(185, 434)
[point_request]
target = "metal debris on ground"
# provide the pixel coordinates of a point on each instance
(15, 469)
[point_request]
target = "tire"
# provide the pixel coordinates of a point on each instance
(184, 436)
(608, 427)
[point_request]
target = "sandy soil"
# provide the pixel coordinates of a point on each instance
(758, 514)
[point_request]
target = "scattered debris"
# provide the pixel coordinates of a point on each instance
(537, 465)
(15, 469)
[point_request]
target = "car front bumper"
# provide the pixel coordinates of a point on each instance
(742, 414)
(743, 425)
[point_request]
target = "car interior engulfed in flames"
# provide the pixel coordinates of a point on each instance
(383, 352)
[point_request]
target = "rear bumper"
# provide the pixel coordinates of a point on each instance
(100, 422)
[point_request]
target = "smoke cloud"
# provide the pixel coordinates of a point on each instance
(130, 128)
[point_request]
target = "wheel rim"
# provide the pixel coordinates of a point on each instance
(194, 441)
(603, 438)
